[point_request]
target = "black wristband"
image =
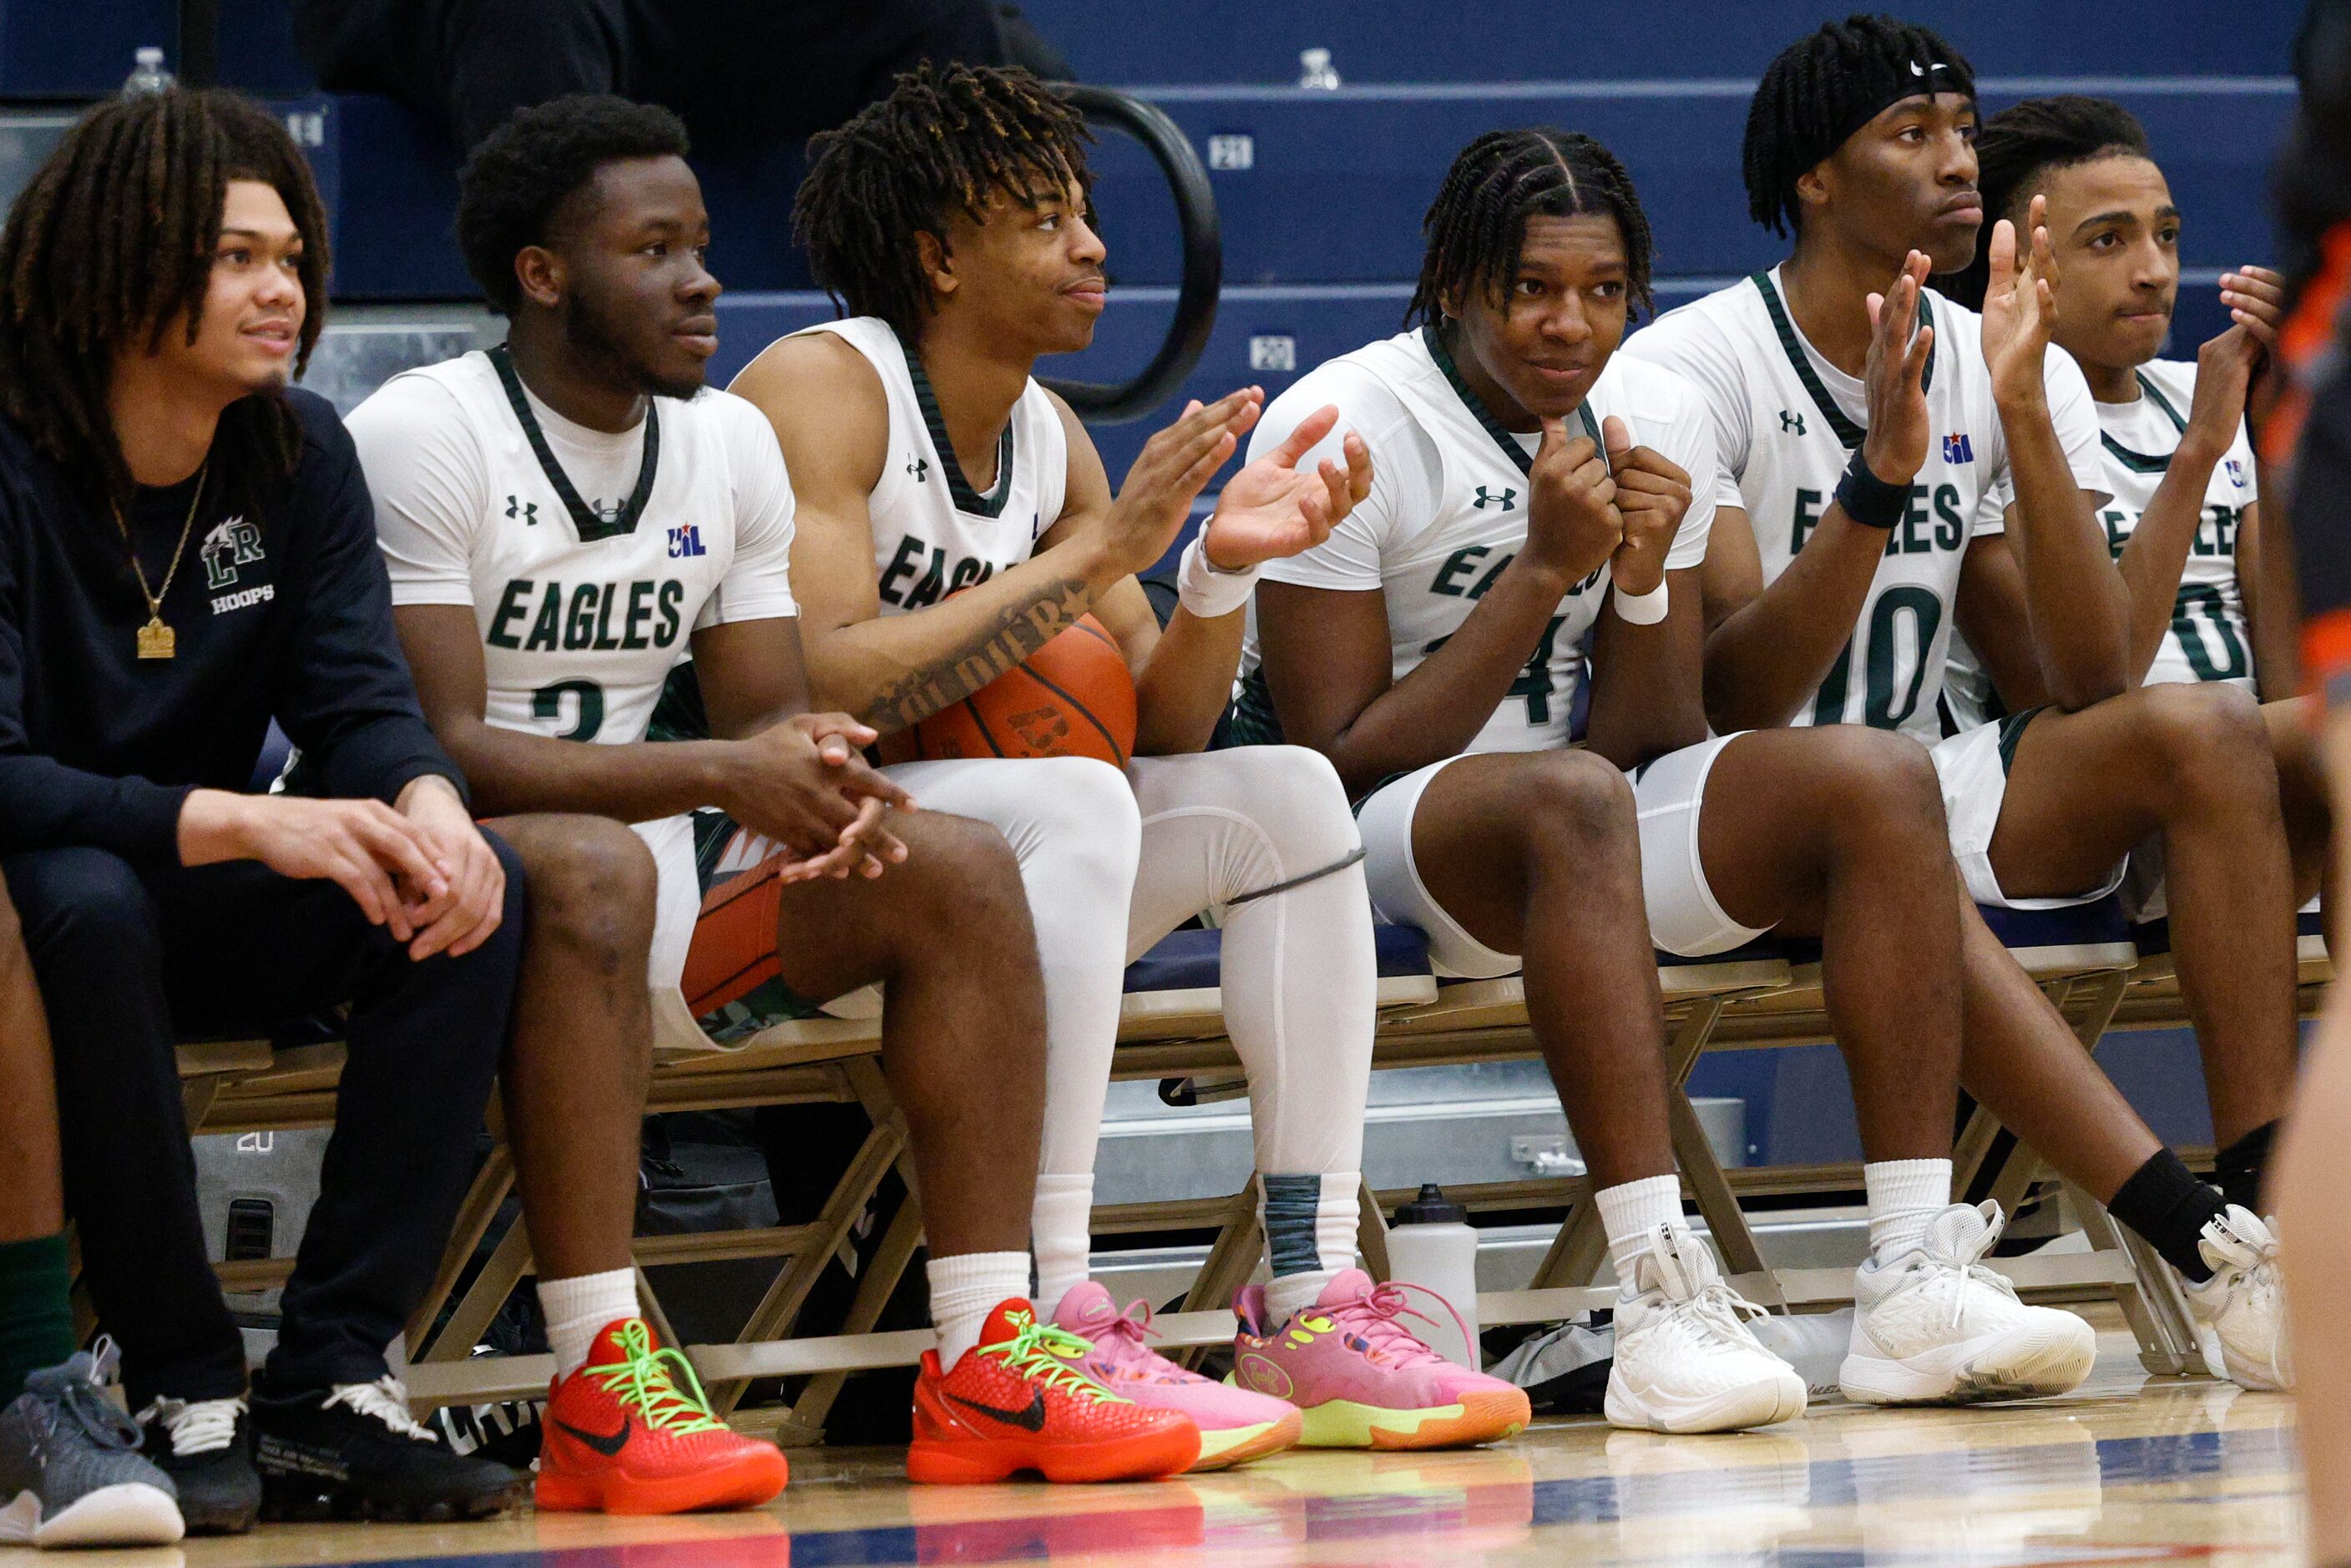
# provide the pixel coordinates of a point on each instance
(1868, 500)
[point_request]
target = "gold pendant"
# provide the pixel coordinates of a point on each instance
(157, 641)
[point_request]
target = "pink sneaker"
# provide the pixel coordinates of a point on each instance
(1236, 1426)
(1363, 1380)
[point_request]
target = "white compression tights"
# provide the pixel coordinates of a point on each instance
(1113, 863)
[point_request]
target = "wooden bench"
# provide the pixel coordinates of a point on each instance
(1767, 995)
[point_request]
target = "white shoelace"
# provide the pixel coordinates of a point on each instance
(2255, 1264)
(1941, 1259)
(1962, 1273)
(386, 1399)
(197, 1426)
(1723, 1310)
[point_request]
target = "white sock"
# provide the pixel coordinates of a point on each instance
(1060, 1225)
(1904, 1194)
(578, 1309)
(964, 1290)
(1630, 1213)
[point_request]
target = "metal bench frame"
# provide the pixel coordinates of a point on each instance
(1744, 1001)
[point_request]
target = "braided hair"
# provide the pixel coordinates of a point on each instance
(2020, 144)
(1824, 87)
(510, 188)
(943, 140)
(1476, 227)
(110, 242)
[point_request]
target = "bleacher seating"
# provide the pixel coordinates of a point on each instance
(1321, 227)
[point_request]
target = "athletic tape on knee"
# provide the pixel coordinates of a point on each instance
(1333, 869)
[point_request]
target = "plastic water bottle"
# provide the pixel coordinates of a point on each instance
(1432, 1245)
(148, 74)
(1314, 71)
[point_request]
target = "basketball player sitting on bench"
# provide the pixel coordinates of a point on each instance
(1533, 484)
(1864, 513)
(564, 517)
(953, 218)
(2208, 601)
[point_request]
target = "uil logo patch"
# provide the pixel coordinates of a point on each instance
(685, 539)
(1791, 423)
(527, 511)
(233, 544)
(920, 467)
(1507, 501)
(1958, 449)
(2236, 472)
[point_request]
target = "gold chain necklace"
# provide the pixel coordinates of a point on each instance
(157, 641)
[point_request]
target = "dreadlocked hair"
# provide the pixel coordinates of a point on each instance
(1476, 227)
(944, 140)
(510, 189)
(111, 243)
(2020, 144)
(1824, 86)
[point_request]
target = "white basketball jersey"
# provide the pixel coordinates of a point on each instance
(933, 532)
(580, 624)
(1448, 513)
(1788, 422)
(2209, 640)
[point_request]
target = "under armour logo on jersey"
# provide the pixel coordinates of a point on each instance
(1507, 501)
(527, 511)
(1958, 449)
(685, 539)
(920, 467)
(1789, 422)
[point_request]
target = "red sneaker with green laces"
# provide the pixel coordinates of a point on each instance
(622, 1437)
(1019, 1401)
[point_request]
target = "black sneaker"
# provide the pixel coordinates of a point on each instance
(353, 1451)
(206, 1446)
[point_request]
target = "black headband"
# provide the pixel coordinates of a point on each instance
(1891, 87)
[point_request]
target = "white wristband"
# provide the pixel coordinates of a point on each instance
(1207, 593)
(1643, 609)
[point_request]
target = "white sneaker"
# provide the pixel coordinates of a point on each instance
(2241, 1308)
(1685, 1360)
(1934, 1326)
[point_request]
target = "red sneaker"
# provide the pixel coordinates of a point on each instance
(1019, 1402)
(622, 1436)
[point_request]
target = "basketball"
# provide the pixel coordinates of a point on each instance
(1074, 697)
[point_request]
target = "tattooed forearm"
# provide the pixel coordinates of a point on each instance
(1017, 632)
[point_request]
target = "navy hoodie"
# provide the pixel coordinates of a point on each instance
(286, 617)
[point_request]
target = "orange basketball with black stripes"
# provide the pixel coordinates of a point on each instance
(1074, 697)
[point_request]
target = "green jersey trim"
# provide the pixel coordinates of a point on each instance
(2140, 462)
(967, 499)
(1504, 439)
(1849, 434)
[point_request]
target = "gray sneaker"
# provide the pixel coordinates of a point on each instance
(70, 1468)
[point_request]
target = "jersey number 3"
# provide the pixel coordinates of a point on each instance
(587, 718)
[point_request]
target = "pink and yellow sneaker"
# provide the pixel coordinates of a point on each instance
(1365, 1381)
(1236, 1426)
